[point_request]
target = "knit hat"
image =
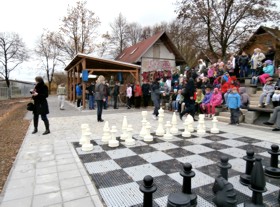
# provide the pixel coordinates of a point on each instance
(269, 79)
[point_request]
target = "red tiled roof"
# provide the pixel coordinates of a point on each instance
(134, 53)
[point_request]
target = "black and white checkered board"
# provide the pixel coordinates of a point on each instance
(118, 172)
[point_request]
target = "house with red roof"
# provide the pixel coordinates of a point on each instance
(157, 56)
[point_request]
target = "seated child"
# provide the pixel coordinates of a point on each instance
(245, 98)
(216, 100)
(268, 90)
(276, 95)
(198, 101)
(176, 104)
(206, 101)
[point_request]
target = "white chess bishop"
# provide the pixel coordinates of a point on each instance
(129, 141)
(124, 129)
(106, 133)
(174, 128)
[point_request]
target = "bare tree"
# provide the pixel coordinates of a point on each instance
(78, 30)
(12, 53)
(49, 54)
(105, 46)
(134, 33)
(119, 35)
(220, 25)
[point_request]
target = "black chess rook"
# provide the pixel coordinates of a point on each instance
(224, 167)
(273, 170)
(257, 185)
(245, 179)
(148, 188)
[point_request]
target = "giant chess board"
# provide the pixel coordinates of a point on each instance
(118, 172)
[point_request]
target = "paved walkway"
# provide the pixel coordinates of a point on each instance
(47, 170)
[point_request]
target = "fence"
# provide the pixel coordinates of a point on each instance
(16, 92)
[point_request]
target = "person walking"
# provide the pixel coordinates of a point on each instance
(116, 92)
(100, 96)
(39, 95)
(61, 92)
(155, 95)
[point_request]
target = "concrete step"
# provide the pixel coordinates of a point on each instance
(223, 119)
(254, 102)
(225, 113)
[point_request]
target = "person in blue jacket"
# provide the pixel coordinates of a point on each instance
(233, 103)
(79, 94)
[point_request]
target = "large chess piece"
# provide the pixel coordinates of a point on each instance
(167, 135)
(148, 137)
(225, 195)
(191, 121)
(174, 128)
(87, 146)
(143, 131)
(257, 185)
(160, 130)
(245, 179)
(201, 125)
(129, 140)
(84, 129)
(224, 167)
(124, 129)
(273, 170)
(113, 142)
(186, 132)
(187, 175)
(106, 133)
(148, 188)
(214, 129)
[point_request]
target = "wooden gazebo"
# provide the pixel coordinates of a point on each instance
(94, 66)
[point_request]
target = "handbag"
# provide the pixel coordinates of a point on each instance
(30, 106)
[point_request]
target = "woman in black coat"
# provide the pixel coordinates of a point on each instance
(39, 95)
(189, 99)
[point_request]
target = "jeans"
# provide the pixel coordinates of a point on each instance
(156, 106)
(255, 80)
(99, 109)
(91, 102)
(267, 95)
(234, 116)
(243, 71)
(253, 72)
(106, 103)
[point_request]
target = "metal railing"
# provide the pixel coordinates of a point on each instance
(15, 92)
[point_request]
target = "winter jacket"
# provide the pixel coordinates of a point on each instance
(233, 101)
(245, 98)
(99, 91)
(216, 99)
(210, 73)
(199, 98)
(40, 101)
(146, 89)
(207, 98)
(256, 59)
(268, 88)
(79, 90)
(129, 92)
(243, 60)
(137, 91)
(269, 69)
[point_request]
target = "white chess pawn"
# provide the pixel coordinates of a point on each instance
(129, 141)
(160, 130)
(143, 131)
(214, 129)
(106, 133)
(174, 128)
(186, 132)
(190, 126)
(124, 129)
(200, 129)
(148, 137)
(113, 142)
(87, 146)
(167, 135)
(84, 128)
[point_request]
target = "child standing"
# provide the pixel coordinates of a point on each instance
(233, 103)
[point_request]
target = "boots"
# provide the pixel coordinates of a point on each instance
(47, 125)
(275, 103)
(35, 123)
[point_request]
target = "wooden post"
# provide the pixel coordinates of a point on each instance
(84, 84)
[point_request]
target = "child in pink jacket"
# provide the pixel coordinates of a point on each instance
(216, 100)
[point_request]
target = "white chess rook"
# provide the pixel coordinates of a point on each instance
(186, 132)
(160, 130)
(167, 135)
(106, 133)
(113, 142)
(148, 137)
(214, 129)
(129, 141)
(174, 128)
(87, 146)
(124, 129)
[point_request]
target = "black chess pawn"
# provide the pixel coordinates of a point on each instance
(273, 170)
(187, 175)
(224, 166)
(245, 179)
(148, 188)
(257, 185)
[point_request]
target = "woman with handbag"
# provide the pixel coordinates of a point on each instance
(39, 95)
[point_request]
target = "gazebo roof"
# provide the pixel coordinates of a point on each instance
(100, 63)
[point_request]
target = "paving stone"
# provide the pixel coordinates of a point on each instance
(75, 193)
(72, 182)
(46, 199)
(46, 188)
(80, 202)
(19, 202)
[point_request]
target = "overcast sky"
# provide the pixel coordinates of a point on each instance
(28, 18)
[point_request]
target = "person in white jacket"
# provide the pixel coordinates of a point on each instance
(128, 95)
